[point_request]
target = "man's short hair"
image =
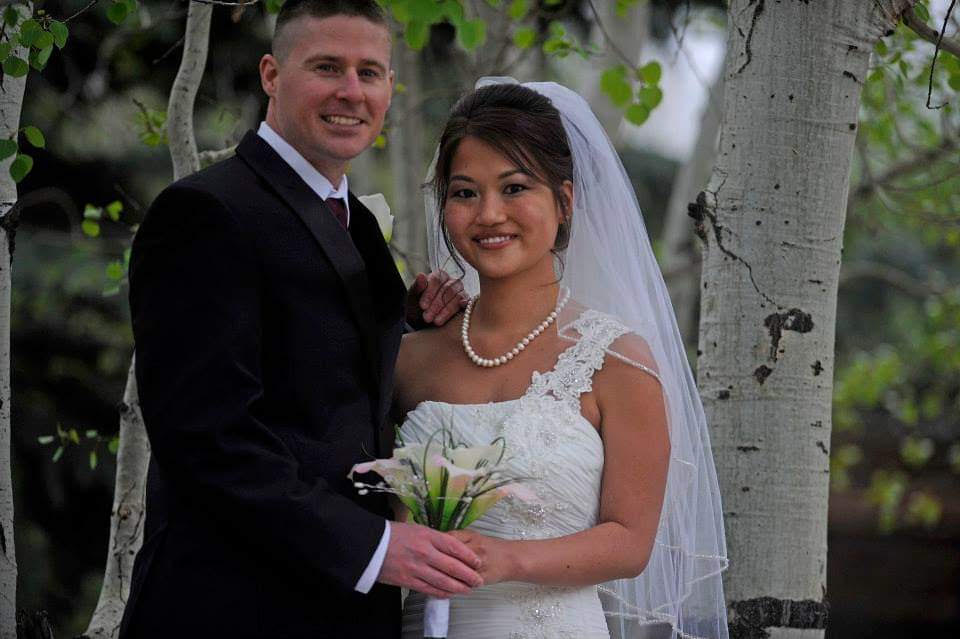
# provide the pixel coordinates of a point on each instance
(292, 10)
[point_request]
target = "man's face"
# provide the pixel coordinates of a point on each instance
(330, 92)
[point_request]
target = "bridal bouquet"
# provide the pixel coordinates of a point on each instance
(445, 486)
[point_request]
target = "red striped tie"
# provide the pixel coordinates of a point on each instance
(339, 209)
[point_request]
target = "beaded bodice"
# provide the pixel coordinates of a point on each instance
(550, 442)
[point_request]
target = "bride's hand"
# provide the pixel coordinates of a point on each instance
(496, 560)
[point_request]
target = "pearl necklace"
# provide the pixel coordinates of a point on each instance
(522, 344)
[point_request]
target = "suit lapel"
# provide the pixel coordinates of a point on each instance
(328, 233)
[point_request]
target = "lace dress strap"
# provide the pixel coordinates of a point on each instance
(573, 374)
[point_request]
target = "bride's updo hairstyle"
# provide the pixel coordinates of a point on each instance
(526, 128)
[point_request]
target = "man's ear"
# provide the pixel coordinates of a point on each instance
(392, 78)
(269, 67)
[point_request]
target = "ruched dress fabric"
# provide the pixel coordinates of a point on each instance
(549, 441)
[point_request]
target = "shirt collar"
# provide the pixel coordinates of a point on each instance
(317, 182)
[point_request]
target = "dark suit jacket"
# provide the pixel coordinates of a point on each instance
(266, 337)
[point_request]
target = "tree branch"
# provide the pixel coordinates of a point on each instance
(931, 35)
(919, 162)
(891, 276)
(920, 27)
(209, 157)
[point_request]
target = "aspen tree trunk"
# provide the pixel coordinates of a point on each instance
(772, 224)
(133, 456)
(405, 146)
(678, 241)
(11, 101)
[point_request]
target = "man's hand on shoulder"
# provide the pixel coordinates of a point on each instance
(428, 561)
(434, 299)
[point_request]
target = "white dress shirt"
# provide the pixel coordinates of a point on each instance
(322, 187)
(314, 179)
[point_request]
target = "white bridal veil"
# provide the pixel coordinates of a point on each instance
(610, 266)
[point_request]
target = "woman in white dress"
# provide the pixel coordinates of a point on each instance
(584, 389)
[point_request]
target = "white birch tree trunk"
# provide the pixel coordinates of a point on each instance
(772, 223)
(127, 517)
(679, 255)
(133, 455)
(405, 146)
(11, 102)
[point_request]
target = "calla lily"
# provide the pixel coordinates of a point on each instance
(445, 486)
(482, 503)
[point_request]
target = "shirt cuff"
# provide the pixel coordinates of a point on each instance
(369, 576)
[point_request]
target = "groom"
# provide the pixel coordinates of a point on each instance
(267, 314)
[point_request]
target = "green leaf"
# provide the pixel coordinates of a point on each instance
(416, 35)
(518, 9)
(426, 11)
(90, 228)
(21, 165)
(45, 439)
(91, 434)
(57, 454)
(954, 82)
(524, 37)
(494, 3)
(30, 30)
(637, 113)
(472, 33)
(11, 16)
(114, 445)
(921, 12)
(5, 48)
(60, 33)
(15, 66)
(401, 11)
(453, 10)
(91, 212)
(650, 96)
(93, 459)
(117, 12)
(74, 435)
(614, 83)
(7, 148)
(880, 47)
(114, 209)
(380, 142)
(44, 40)
(115, 270)
(651, 72)
(39, 58)
(35, 137)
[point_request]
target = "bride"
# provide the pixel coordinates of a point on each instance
(569, 351)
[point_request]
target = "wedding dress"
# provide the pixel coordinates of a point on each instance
(547, 439)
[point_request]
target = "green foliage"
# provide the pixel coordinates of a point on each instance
(151, 125)
(886, 492)
(34, 136)
(20, 167)
(118, 11)
(67, 437)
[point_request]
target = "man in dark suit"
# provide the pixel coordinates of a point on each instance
(267, 315)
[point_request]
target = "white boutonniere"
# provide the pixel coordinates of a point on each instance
(377, 204)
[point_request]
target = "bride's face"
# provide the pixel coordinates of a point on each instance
(500, 218)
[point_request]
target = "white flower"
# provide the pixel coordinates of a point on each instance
(381, 210)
